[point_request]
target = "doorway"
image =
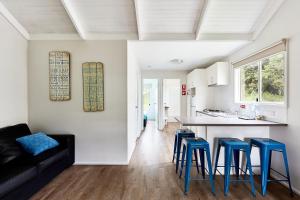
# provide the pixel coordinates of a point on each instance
(150, 100)
(171, 99)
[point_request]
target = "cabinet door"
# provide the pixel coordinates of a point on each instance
(189, 81)
(188, 104)
(193, 79)
(201, 97)
(222, 73)
(198, 77)
(212, 75)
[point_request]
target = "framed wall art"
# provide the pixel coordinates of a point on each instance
(93, 86)
(59, 76)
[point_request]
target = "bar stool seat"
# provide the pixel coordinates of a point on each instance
(190, 145)
(266, 146)
(234, 146)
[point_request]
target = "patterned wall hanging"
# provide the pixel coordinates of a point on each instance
(59, 76)
(93, 86)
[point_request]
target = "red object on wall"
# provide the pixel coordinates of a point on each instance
(183, 89)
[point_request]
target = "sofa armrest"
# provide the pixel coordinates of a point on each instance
(67, 140)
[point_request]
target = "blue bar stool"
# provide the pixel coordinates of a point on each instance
(234, 146)
(266, 146)
(179, 135)
(190, 145)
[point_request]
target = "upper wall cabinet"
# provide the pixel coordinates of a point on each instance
(196, 78)
(217, 74)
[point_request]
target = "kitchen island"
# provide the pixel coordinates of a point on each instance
(223, 121)
(212, 127)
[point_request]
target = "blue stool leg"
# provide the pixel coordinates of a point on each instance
(211, 180)
(228, 158)
(202, 160)
(236, 156)
(217, 160)
(182, 160)
(179, 139)
(174, 149)
(248, 163)
(246, 160)
(270, 162)
(287, 171)
(196, 159)
(265, 168)
(188, 169)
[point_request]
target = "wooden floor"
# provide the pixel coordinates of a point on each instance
(150, 175)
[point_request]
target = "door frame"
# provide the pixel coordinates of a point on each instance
(159, 115)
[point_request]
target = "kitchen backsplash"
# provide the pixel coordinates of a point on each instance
(276, 113)
(223, 99)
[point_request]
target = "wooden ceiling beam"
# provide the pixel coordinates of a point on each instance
(268, 12)
(200, 20)
(13, 21)
(74, 18)
(138, 19)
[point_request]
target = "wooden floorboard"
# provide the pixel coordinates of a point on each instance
(150, 176)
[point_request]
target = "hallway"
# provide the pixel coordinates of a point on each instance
(150, 175)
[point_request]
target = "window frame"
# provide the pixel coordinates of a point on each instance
(237, 83)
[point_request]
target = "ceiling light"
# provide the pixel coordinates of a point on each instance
(176, 61)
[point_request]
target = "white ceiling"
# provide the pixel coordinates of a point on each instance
(140, 19)
(232, 16)
(106, 16)
(165, 16)
(158, 54)
(41, 16)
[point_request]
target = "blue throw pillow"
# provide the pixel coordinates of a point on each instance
(37, 143)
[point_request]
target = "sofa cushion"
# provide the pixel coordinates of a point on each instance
(15, 131)
(16, 176)
(37, 143)
(29, 159)
(57, 157)
(9, 149)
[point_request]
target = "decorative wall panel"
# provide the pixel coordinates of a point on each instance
(93, 86)
(59, 76)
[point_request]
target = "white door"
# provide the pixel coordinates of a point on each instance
(171, 99)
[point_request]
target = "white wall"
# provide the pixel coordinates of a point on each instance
(100, 137)
(283, 25)
(134, 111)
(13, 75)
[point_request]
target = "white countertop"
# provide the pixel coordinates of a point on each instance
(222, 121)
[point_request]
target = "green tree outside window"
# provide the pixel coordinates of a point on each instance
(271, 72)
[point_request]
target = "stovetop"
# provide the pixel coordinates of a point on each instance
(212, 110)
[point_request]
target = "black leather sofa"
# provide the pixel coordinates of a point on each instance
(22, 175)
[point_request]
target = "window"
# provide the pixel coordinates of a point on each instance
(249, 82)
(273, 78)
(262, 80)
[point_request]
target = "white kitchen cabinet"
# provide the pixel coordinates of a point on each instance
(197, 91)
(196, 78)
(218, 74)
(193, 78)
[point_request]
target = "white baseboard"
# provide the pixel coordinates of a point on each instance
(101, 163)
